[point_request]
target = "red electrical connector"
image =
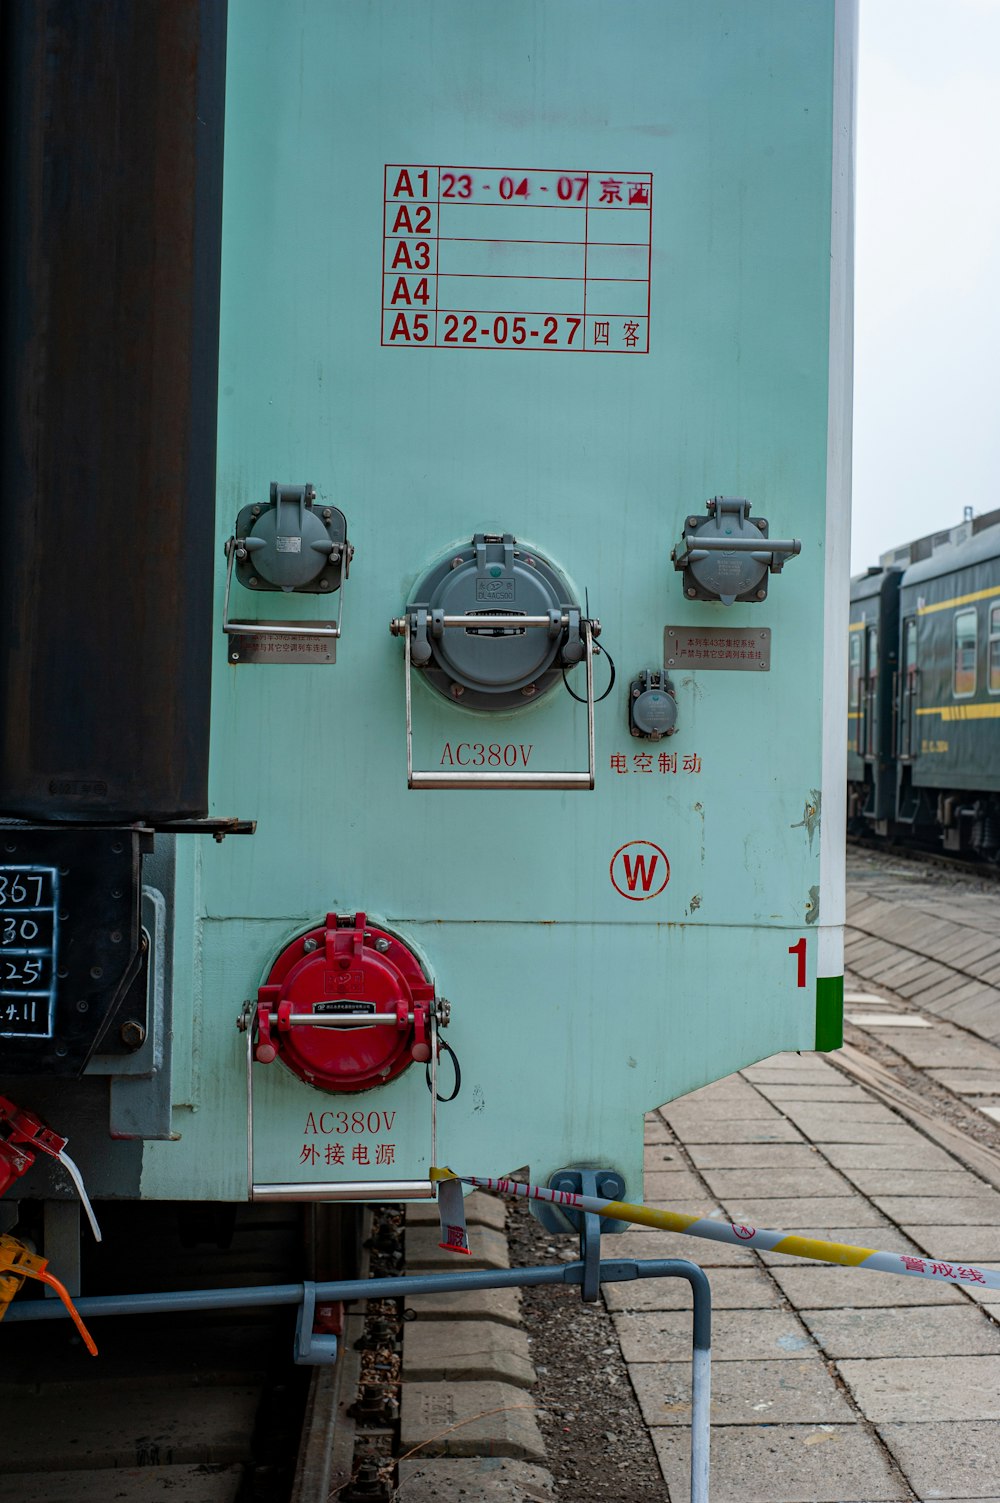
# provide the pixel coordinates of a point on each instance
(21, 1134)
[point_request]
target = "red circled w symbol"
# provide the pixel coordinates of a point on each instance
(639, 870)
(745, 1233)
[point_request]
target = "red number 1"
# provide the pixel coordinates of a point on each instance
(799, 950)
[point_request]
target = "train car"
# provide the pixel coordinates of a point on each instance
(871, 725)
(533, 353)
(947, 694)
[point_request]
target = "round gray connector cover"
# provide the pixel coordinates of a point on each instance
(654, 713)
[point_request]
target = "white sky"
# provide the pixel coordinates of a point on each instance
(927, 335)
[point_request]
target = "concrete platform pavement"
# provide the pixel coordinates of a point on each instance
(830, 1385)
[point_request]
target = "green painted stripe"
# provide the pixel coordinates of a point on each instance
(829, 1012)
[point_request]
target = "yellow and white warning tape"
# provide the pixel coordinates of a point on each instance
(455, 1236)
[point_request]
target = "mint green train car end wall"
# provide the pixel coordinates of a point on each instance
(575, 1006)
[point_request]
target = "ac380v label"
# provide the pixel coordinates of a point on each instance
(483, 754)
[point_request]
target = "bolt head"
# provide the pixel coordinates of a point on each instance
(381, 945)
(529, 690)
(456, 563)
(456, 691)
(310, 944)
(234, 657)
(253, 580)
(761, 594)
(132, 1033)
(690, 592)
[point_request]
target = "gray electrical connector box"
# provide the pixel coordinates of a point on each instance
(652, 707)
(727, 555)
(291, 544)
(510, 658)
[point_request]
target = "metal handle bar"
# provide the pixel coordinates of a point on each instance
(567, 780)
(275, 628)
(339, 1019)
(743, 545)
(399, 626)
(564, 780)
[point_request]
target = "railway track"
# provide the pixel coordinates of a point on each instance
(205, 1406)
(926, 857)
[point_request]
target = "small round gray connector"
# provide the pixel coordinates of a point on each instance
(654, 713)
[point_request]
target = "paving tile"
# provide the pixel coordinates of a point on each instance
(880, 1238)
(980, 1243)
(789, 1060)
(814, 1179)
(969, 1082)
(799, 1391)
(732, 1289)
(980, 1209)
(913, 1389)
(664, 1158)
(753, 1155)
(748, 1107)
(775, 1130)
(672, 1187)
(827, 1288)
(737, 1335)
(869, 1020)
(639, 1243)
(782, 1464)
(936, 997)
(919, 1155)
(947, 1182)
(946, 1461)
(823, 1130)
(915, 985)
(788, 1214)
(730, 1088)
(972, 1001)
(936, 1049)
(984, 1298)
(834, 1112)
(655, 1130)
(762, 1075)
(779, 1094)
(927, 1331)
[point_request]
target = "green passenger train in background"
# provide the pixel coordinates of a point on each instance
(923, 719)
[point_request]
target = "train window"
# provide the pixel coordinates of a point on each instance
(963, 683)
(993, 661)
(854, 677)
(872, 653)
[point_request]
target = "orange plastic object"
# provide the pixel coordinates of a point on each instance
(18, 1262)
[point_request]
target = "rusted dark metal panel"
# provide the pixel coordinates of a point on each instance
(112, 190)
